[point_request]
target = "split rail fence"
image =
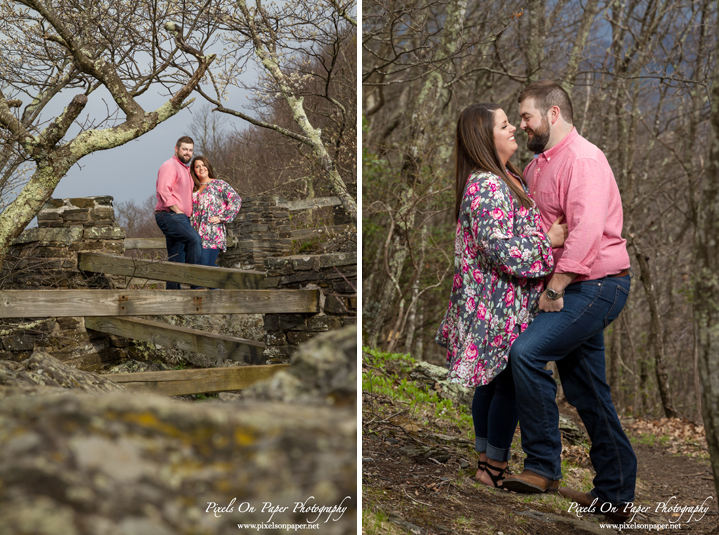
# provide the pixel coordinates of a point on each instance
(111, 311)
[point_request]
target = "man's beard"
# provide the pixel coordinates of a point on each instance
(186, 159)
(540, 138)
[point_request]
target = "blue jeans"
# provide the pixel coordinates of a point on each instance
(494, 412)
(209, 256)
(208, 259)
(183, 242)
(573, 338)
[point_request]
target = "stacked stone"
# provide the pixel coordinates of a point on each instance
(46, 257)
(80, 212)
(335, 274)
(261, 230)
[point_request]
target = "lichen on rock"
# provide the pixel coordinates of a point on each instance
(99, 460)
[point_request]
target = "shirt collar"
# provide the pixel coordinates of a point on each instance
(560, 146)
(183, 163)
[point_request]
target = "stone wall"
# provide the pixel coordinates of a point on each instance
(261, 231)
(335, 274)
(46, 257)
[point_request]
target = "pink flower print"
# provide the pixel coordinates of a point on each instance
(536, 266)
(477, 274)
(513, 338)
(481, 312)
(523, 211)
(471, 352)
(509, 325)
(471, 304)
(476, 203)
(457, 281)
(472, 189)
(465, 266)
(515, 252)
(497, 341)
(445, 330)
(498, 214)
(509, 296)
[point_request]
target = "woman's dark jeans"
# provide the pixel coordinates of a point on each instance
(209, 256)
(494, 411)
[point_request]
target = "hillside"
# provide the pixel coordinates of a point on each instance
(418, 465)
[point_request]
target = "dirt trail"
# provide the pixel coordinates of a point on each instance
(417, 478)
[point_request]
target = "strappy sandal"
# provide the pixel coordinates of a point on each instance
(481, 465)
(503, 472)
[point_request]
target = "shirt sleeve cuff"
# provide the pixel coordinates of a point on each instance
(570, 266)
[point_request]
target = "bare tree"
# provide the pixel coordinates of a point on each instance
(53, 50)
(282, 41)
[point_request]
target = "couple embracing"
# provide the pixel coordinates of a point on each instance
(540, 270)
(193, 207)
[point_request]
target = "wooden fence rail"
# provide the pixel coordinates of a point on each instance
(69, 303)
(320, 202)
(159, 243)
(209, 277)
(203, 381)
(174, 337)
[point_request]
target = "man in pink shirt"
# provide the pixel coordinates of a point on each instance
(174, 207)
(571, 177)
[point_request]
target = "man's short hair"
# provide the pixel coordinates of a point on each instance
(547, 94)
(184, 139)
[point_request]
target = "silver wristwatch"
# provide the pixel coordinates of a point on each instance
(554, 295)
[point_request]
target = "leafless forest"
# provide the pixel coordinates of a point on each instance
(639, 73)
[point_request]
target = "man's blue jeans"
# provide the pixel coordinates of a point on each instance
(573, 338)
(184, 244)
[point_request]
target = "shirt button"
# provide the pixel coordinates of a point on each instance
(548, 158)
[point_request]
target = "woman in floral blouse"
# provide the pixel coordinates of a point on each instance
(501, 256)
(214, 203)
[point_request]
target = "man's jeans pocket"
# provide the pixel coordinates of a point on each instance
(620, 299)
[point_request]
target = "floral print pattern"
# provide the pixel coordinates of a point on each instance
(217, 199)
(500, 258)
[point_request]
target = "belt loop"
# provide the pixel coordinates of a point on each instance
(631, 273)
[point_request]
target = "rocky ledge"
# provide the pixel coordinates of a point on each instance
(95, 460)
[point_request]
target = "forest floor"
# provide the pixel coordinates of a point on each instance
(418, 466)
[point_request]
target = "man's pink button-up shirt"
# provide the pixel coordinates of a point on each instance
(574, 179)
(174, 186)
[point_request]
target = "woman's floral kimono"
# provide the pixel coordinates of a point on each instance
(217, 199)
(500, 258)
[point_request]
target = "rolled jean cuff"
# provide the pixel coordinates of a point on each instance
(496, 454)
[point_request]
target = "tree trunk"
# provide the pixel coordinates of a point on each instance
(657, 330)
(706, 289)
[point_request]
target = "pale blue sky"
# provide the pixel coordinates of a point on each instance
(130, 171)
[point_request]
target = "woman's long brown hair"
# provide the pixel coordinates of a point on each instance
(210, 171)
(475, 151)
